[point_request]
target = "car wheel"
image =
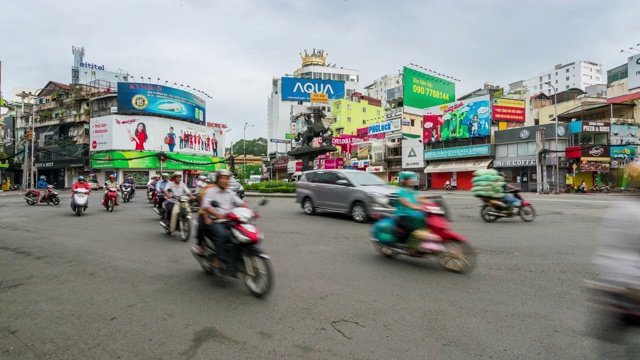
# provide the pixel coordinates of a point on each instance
(359, 212)
(307, 206)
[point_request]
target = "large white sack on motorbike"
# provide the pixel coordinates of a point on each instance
(490, 172)
(476, 189)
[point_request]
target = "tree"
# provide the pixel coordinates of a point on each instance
(256, 147)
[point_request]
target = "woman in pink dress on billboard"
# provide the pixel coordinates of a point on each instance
(139, 137)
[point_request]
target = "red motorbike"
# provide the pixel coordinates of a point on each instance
(50, 197)
(493, 209)
(111, 200)
(452, 250)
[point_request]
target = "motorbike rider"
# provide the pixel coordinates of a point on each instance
(81, 184)
(110, 183)
(409, 213)
(202, 183)
(617, 260)
(161, 186)
(508, 198)
(129, 180)
(227, 200)
(42, 187)
(175, 188)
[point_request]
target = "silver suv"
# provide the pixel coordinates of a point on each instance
(352, 192)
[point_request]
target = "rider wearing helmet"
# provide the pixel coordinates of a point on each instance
(174, 189)
(409, 213)
(161, 186)
(81, 184)
(42, 187)
(110, 183)
(226, 200)
(132, 182)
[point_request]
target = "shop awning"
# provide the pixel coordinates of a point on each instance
(458, 165)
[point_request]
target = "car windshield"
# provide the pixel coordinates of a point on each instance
(232, 180)
(365, 179)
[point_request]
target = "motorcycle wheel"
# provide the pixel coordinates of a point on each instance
(110, 206)
(606, 191)
(31, 202)
(486, 215)
(459, 257)
(185, 229)
(78, 210)
(527, 213)
(384, 251)
(56, 201)
(260, 284)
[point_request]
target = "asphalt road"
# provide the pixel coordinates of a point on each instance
(114, 286)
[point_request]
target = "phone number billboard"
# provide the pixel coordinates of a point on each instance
(423, 90)
(151, 99)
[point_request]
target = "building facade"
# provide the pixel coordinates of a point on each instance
(577, 74)
(354, 112)
(378, 89)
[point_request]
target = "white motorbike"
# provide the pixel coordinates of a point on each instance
(79, 201)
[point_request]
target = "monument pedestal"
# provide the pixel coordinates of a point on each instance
(308, 154)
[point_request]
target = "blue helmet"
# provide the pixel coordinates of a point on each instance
(407, 175)
(81, 178)
(42, 177)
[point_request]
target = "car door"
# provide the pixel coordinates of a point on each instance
(339, 193)
(320, 187)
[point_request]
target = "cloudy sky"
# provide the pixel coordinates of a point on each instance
(232, 49)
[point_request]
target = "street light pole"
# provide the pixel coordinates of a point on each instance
(244, 147)
(555, 110)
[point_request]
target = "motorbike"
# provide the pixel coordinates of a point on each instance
(245, 258)
(111, 200)
(492, 209)
(180, 218)
(79, 201)
(50, 197)
(604, 189)
(447, 186)
(616, 320)
(150, 193)
(452, 250)
(158, 204)
(126, 192)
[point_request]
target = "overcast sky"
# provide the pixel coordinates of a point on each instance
(232, 49)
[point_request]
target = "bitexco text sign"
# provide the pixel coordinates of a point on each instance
(297, 89)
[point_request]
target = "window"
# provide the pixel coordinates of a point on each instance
(540, 78)
(348, 119)
(512, 150)
(597, 78)
(349, 105)
(337, 106)
(364, 122)
(549, 77)
(378, 112)
(364, 109)
(413, 123)
(522, 149)
(591, 77)
(590, 69)
(567, 70)
(567, 87)
(556, 73)
(502, 151)
(531, 148)
(567, 78)
(556, 81)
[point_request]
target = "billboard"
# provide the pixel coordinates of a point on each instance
(459, 120)
(457, 152)
(634, 72)
(151, 99)
(298, 89)
(624, 135)
(412, 154)
(122, 132)
(508, 110)
(385, 127)
(422, 91)
(148, 160)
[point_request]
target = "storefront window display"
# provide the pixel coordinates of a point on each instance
(140, 177)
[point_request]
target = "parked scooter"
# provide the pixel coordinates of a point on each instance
(447, 186)
(50, 197)
(452, 250)
(125, 188)
(492, 209)
(79, 201)
(111, 200)
(604, 189)
(244, 256)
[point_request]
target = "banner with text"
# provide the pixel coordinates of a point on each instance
(459, 120)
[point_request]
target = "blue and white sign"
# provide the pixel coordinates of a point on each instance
(152, 99)
(457, 152)
(298, 89)
(385, 127)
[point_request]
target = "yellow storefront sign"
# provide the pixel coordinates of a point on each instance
(509, 102)
(318, 97)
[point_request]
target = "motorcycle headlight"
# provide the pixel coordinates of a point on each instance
(380, 198)
(241, 188)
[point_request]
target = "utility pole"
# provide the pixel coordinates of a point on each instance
(545, 181)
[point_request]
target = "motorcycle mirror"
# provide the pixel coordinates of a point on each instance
(263, 202)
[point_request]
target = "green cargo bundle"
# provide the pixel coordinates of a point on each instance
(488, 183)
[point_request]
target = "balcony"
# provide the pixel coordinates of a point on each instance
(393, 153)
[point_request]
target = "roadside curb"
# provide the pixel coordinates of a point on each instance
(270, 195)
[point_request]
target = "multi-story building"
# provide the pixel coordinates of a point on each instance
(355, 112)
(378, 89)
(577, 74)
(314, 76)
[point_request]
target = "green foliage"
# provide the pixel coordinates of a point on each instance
(256, 147)
(273, 187)
(395, 183)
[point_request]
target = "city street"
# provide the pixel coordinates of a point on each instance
(114, 286)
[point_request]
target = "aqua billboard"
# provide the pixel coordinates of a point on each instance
(152, 99)
(300, 89)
